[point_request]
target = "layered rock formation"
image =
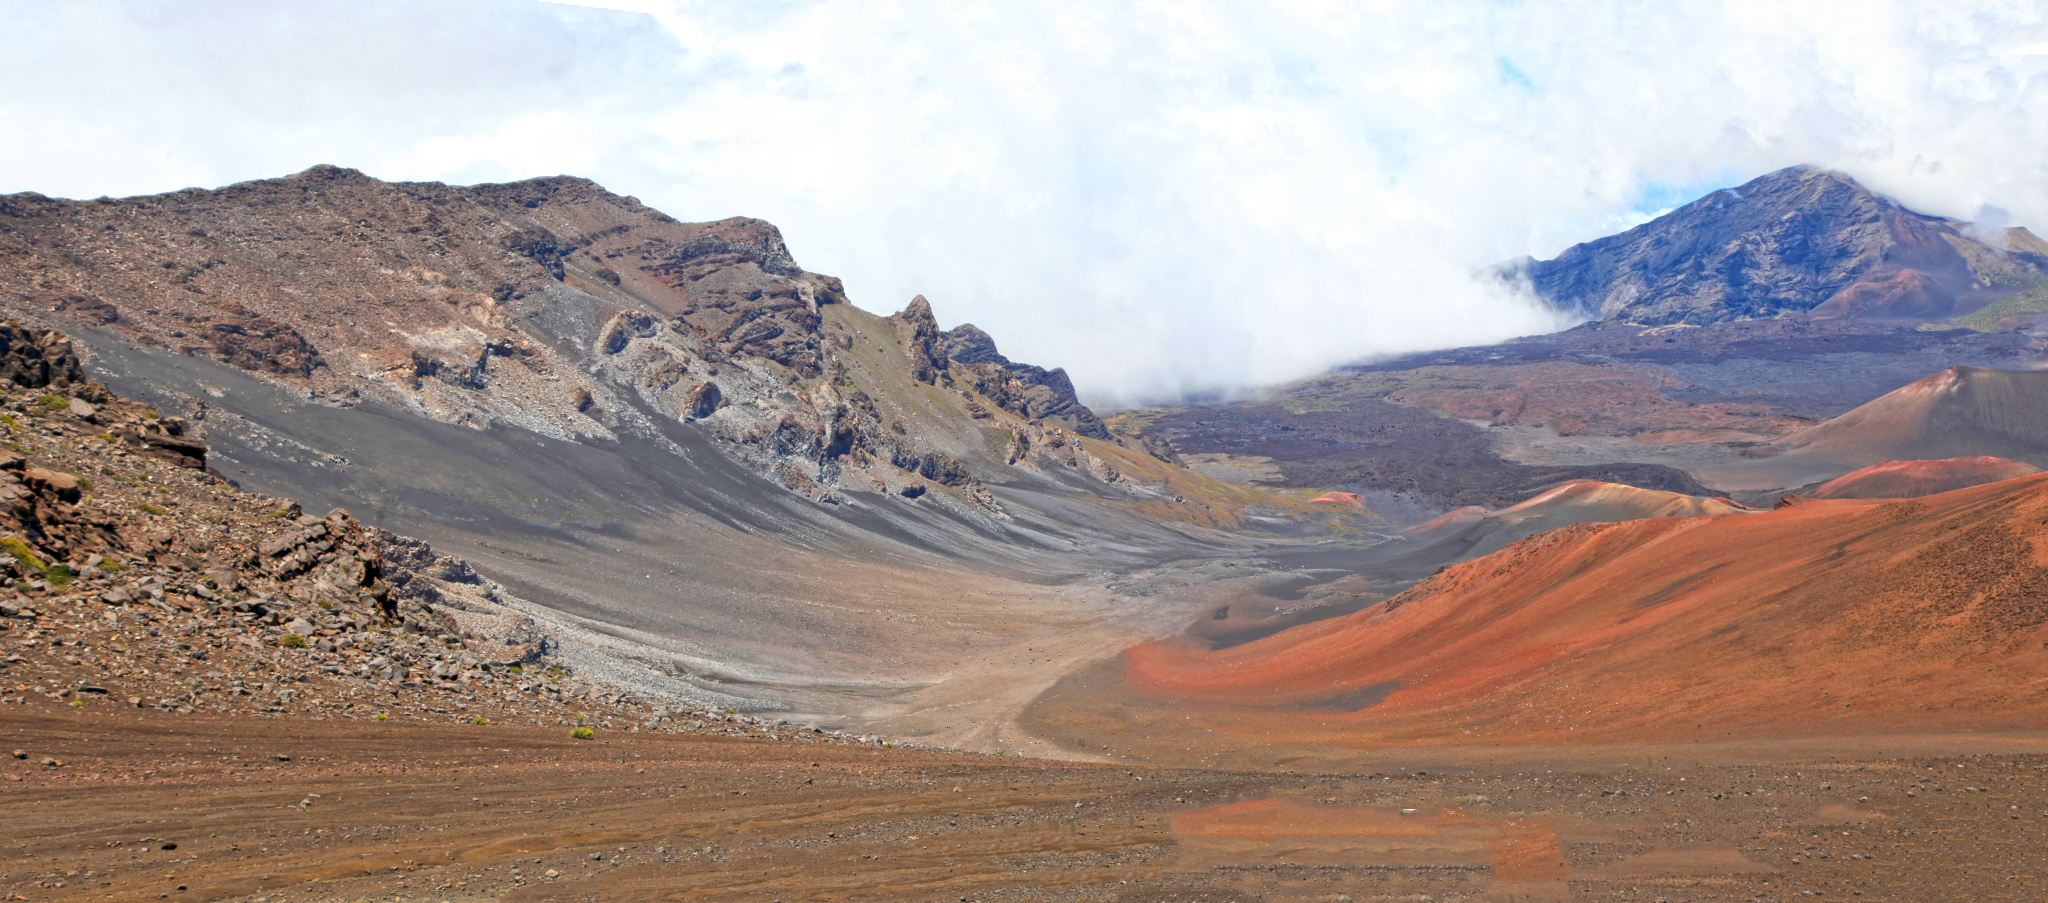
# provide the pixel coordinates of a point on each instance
(1800, 241)
(550, 305)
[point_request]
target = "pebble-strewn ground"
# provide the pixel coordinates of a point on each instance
(118, 804)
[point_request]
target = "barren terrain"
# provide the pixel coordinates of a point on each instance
(149, 806)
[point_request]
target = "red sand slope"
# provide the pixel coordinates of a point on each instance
(1914, 479)
(1821, 617)
(1584, 500)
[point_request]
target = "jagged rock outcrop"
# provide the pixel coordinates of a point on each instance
(33, 359)
(1800, 241)
(1031, 392)
(922, 341)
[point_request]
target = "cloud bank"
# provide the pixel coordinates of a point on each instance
(1164, 198)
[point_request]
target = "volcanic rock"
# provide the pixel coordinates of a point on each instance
(1800, 241)
(1022, 389)
(549, 305)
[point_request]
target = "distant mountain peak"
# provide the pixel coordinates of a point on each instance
(1802, 241)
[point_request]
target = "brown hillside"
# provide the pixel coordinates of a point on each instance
(1959, 412)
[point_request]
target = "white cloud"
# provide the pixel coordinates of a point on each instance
(1159, 196)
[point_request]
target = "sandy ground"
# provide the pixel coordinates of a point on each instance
(149, 806)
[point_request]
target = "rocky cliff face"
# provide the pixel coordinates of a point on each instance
(550, 305)
(1800, 241)
(1022, 389)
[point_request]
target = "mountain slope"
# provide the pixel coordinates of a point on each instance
(1469, 533)
(1914, 479)
(1959, 412)
(127, 563)
(667, 433)
(1801, 241)
(1841, 617)
(550, 305)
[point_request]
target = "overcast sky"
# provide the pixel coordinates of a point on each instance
(1160, 197)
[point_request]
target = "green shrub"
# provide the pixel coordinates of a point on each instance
(21, 552)
(292, 641)
(480, 721)
(148, 508)
(56, 574)
(583, 733)
(51, 404)
(380, 716)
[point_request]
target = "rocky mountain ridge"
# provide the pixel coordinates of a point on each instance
(549, 305)
(1802, 241)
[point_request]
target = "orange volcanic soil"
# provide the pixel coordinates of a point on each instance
(1584, 500)
(1914, 479)
(1820, 618)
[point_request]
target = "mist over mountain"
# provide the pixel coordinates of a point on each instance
(725, 422)
(1211, 198)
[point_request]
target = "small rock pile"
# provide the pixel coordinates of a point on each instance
(134, 577)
